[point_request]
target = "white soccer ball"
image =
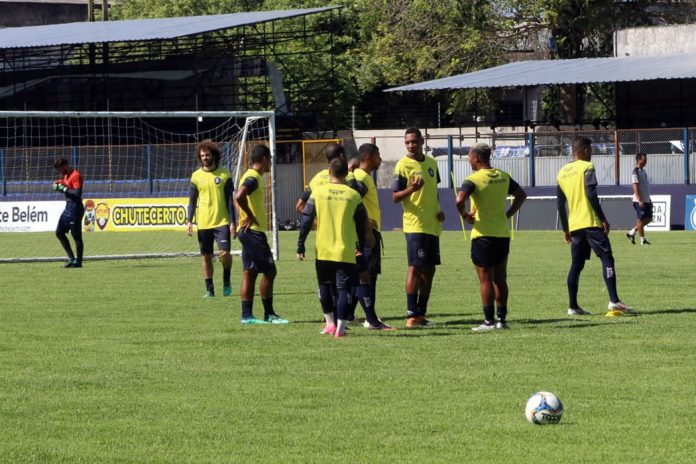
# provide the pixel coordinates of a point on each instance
(543, 408)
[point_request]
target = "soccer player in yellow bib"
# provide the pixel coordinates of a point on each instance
(341, 226)
(212, 191)
(488, 189)
(415, 187)
(369, 264)
(585, 227)
(256, 253)
(333, 151)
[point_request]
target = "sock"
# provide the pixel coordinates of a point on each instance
(488, 313)
(209, 285)
(226, 277)
(352, 303)
(267, 307)
(574, 283)
(422, 304)
(363, 295)
(66, 246)
(326, 300)
(341, 326)
(247, 309)
(632, 232)
(502, 313)
(609, 275)
(329, 319)
(411, 304)
(79, 248)
(342, 305)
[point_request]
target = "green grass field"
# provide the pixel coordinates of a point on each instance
(123, 361)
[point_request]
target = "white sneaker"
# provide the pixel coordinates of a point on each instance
(501, 325)
(619, 306)
(578, 312)
(484, 327)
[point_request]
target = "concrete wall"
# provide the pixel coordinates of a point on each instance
(655, 40)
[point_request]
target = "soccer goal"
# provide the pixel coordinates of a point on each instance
(136, 168)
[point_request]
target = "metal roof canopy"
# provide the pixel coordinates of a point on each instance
(573, 71)
(137, 29)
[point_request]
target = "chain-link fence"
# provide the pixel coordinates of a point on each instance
(671, 155)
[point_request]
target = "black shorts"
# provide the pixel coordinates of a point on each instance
(256, 253)
(371, 259)
(422, 249)
(206, 237)
(645, 212)
(70, 220)
(489, 251)
(583, 241)
(333, 272)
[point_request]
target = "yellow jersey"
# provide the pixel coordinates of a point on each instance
(571, 180)
(370, 199)
(256, 199)
(488, 190)
(422, 206)
(212, 201)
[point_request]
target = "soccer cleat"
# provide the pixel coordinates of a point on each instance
(71, 263)
(226, 290)
(578, 312)
(209, 294)
(338, 334)
(632, 238)
(381, 326)
(644, 241)
(253, 320)
(275, 319)
(485, 327)
(416, 321)
(76, 263)
(501, 325)
(619, 309)
(328, 329)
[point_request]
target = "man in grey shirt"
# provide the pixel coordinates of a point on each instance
(641, 200)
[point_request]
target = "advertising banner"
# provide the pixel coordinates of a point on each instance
(690, 213)
(661, 212)
(134, 214)
(30, 216)
(101, 215)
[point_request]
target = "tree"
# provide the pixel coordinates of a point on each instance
(383, 43)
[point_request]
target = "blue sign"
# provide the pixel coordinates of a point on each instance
(690, 213)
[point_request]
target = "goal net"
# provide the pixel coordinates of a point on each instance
(136, 168)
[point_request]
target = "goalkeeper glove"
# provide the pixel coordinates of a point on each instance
(59, 187)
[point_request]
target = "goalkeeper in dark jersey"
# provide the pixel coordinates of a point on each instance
(70, 183)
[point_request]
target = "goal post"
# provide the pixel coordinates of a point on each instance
(136, 167)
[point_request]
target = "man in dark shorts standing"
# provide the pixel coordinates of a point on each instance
(488, 189)
(70, 183)
(585, 227)
(341, 223)
(256, 253)
(415, 187)
(641, 200)
(369, 264)
(212, 191)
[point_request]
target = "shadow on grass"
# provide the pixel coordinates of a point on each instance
(669, 311)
